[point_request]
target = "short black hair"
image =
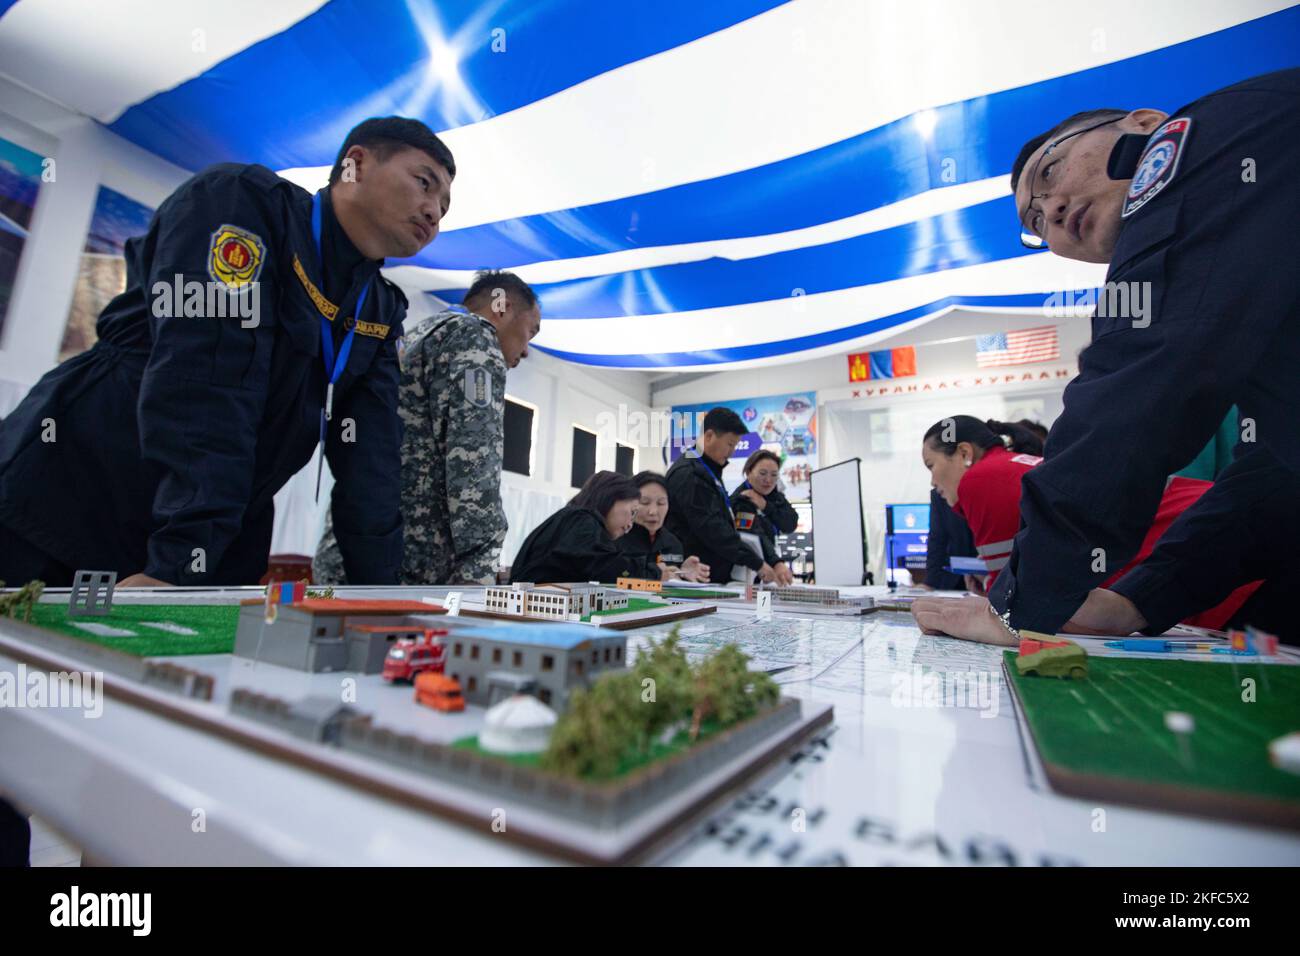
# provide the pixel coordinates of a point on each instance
(489, 280)
(1070, 122)
(723, 421)
(385, 135)
(982, 434)
(643, 478)
(603, 490)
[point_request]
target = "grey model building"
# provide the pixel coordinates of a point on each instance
(327, 634)
(318, 719)
(494, 662)
(92, 593)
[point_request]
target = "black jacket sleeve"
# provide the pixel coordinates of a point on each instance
(939, 546)
(1202, 316)
(366, 501)
(205, 386)
(573, 545)
(702, 510)
(781, 513)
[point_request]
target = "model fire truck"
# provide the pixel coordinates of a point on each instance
(410, 657)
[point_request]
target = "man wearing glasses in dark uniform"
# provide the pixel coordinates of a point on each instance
(1196, 213)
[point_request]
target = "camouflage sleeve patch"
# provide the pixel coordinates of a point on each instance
(475, 433)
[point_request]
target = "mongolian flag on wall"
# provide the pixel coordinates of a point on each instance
(887, 363)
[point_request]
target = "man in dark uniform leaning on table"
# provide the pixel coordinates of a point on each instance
(1196, 213)
(254, 324)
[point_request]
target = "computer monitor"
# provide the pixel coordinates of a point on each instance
(907, 519)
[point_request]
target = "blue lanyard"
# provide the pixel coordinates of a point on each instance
(333, 367)
(717, 482)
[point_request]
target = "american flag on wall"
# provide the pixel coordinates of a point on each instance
(1017, 348)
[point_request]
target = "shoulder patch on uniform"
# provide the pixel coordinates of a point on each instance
(478, 386)
(1158, 165)
(236, 256)
(375, 330)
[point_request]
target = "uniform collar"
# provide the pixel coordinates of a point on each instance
(1125, 155)
(709, 463)
(344, 264)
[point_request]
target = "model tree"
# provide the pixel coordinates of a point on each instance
(726, 691)
(664, 687)
(24, 598)
(596, 732)
(619, 718)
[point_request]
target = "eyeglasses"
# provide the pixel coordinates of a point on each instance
(1031, 232)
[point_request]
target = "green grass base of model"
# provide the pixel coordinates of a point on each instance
(633, 604)
(680, 743)
(1112, 724)
(214, 627)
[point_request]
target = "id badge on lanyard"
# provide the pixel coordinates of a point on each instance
(334, 365)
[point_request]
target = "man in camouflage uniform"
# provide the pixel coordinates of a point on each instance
(452, 403)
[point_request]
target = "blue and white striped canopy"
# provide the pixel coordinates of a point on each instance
(687, 184)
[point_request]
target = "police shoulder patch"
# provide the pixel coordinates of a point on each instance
(478, 386)
(1158, 165)
(236, 256)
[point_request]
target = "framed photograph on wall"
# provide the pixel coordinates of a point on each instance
(102, 272)
(20, 182)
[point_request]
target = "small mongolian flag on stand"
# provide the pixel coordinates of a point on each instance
(887, 363)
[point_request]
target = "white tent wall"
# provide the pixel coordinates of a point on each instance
(884, 430)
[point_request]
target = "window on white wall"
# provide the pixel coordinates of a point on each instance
(584, 456)
(625, 460)
(20, 181)
(520, 425)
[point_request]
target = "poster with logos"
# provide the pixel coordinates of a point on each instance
(20, 182)
(785, 424)
(102, 273)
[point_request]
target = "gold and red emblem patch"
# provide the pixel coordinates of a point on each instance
(236, 256)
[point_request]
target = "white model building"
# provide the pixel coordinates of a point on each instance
(805, 594)
(521, 724)
(556, 602)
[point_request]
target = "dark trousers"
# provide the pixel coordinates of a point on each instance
(20, 562)
(15, 837)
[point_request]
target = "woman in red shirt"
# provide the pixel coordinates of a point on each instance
(977, 466)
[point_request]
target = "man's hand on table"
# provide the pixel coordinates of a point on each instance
(142, 581)
(969, 618)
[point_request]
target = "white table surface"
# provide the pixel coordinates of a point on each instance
(887, 783)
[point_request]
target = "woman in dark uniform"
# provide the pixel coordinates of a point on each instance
(773, 514)
(650, 540)
(578, 542)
